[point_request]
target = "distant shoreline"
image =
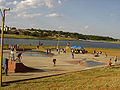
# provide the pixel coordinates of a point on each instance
(51, 38)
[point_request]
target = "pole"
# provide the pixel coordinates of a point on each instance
(1, 53)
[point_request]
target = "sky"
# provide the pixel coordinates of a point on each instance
(88, 17)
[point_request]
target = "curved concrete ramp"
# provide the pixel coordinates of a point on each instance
(18, 67)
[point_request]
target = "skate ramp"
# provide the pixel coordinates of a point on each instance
(18, 67)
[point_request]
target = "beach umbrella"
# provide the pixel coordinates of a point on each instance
(73, 47)
(79, 47)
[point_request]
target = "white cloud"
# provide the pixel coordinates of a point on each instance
(1, 4)
(29, 4)
(1, 1)
(12, 3)
(54, 15)
(27, 15)
(59, 1)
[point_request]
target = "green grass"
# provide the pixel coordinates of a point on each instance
(33, 37)
(95, 79)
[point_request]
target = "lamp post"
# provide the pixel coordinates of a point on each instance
(2, 34)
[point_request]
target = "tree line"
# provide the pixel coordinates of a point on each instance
(55, 34)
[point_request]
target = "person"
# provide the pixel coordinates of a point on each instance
(116, 60)
(54, 61)
(12, 54)
(72, 54)
(47, 51)
(37, 47)
(6, 67)
(110, 63)
(19, 56)
(94, 51)
(58, 50)
(105, 54)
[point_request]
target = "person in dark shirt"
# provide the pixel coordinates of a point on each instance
(6, 67)
(19, 56)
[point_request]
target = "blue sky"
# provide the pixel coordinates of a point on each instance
(90, 17)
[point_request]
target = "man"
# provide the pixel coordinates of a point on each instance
(72, 53)
(6, 67)
(19, 56)
(12, 54)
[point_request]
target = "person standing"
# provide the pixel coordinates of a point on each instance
(6, 67)
(12, 54)
(72, 54)
(110, 63)
(115, 59)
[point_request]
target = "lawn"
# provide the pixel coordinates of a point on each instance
(109, 51)
(105, 78)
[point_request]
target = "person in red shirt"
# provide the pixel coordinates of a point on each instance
(54, 61)
(110, 62)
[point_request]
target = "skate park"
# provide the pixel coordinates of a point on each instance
(36, 64)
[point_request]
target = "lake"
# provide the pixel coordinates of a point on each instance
(13, 41)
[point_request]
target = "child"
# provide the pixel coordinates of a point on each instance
(54, 61)
(110, 62)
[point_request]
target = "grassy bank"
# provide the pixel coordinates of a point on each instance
(32, 37)
(109, 51)
(96, 79)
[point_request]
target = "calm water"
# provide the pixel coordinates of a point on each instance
(12, 41)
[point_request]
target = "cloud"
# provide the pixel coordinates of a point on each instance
(29, 4)
(1, 1)
(1, 4)
(28, 15)
(12, 3)
(54, 15)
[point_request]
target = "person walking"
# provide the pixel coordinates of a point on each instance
(72, 54)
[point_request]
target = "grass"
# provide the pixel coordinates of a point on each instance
(95, 79)
(109, 51)
(33, 37)
(105, 78)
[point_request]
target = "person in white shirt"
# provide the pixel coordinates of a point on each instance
(12, 55)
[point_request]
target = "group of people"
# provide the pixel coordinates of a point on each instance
(12, 55)
(115, 61)
(12, 58)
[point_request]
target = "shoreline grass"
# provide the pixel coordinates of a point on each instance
(51, 38)
(94, 79)
(33, 37)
